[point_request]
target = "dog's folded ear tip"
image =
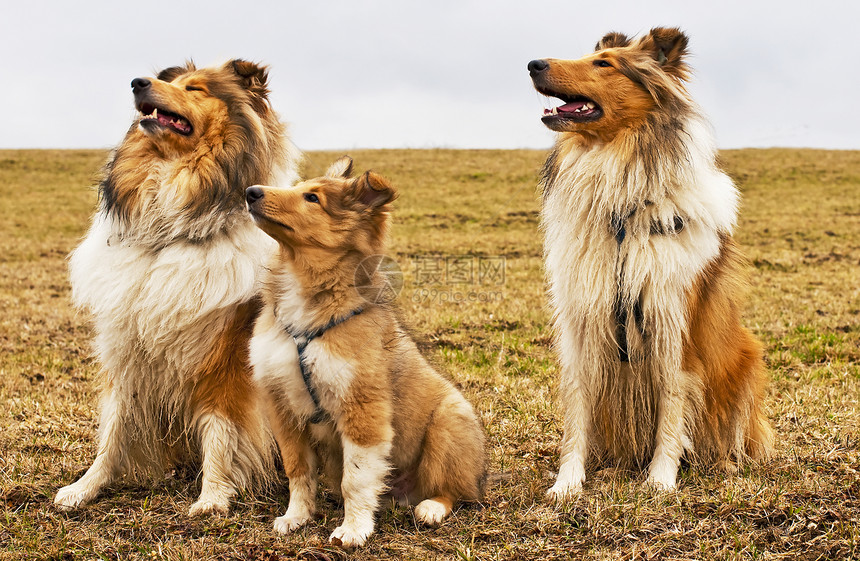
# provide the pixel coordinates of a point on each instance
(341, 168)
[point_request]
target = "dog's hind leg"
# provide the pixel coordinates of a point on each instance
(576, 410)
(219, 441)
(112, 453)
(453, 460)
(434, 510)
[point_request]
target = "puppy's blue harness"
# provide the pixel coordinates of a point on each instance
(302, 340)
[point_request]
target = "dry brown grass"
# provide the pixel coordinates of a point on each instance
(800, 225)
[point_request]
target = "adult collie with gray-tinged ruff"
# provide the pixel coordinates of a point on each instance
(344, 381)
(644, 278)
(169, 270)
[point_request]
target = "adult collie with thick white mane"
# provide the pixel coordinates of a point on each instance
(169, 270)
(645, 280)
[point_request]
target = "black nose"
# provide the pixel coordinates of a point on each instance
(253, 194)
(139, 84)
(537, 66)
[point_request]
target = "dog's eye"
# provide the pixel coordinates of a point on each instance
(311, 198)
(193, 89)
(602, 63)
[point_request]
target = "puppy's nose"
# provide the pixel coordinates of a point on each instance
(140, 84)
(253, 194)
(537, 66)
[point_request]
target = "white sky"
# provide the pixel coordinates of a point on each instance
(446, 73)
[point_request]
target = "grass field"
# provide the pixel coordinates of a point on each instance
(465, 235)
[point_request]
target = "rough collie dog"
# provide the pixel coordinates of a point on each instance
(344, 381)
(644, 277)
(169, 270)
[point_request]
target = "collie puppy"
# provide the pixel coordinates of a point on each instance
(169, 270)
(645, 280)
(343, 381)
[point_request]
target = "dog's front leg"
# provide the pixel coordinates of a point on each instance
(300, 467)
(112, 450)
(576, 409)
(363, 482)
(218, 442)
(671, 433)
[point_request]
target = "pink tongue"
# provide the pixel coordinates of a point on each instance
(178, 124)
(164, 119)
(571, 107)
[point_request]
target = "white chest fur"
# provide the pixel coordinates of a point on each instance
(170, 301)
(590, 268)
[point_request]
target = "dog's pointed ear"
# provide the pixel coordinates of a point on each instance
(372, 190)
(668, 46)
(612, 39)
(253, 77)
(340, 168)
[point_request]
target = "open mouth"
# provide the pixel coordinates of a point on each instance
(152, 117)
(578, 109)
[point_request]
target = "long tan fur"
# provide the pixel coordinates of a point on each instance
(390, 420)
(169, 271)
(644, 279)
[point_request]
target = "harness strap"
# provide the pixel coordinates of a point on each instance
(302, 340)
(618, 224)
(619, 228)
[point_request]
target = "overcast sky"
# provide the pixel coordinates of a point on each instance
(387, 74)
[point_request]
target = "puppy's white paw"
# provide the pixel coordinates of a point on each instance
(431, 512)
(73, 496)
(349, 537)
(290, 523)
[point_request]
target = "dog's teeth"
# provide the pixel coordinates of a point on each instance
(155, 112)
(554, 111)
(589, 106)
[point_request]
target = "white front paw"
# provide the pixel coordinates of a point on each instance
(662, 475)
(564, 491)
(290, 523)
(208, 506)
(73, 496)
(349, 537)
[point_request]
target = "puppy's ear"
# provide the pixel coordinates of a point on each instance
(612, 39)
(668, 46)
(340, 169)
(252, 76)
(372, 190)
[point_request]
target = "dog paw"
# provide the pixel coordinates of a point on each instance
(350, 537)
(73, 496)
(431, 512)
(290, 523)
(204, 507)
(662, 478)
(563, 491)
